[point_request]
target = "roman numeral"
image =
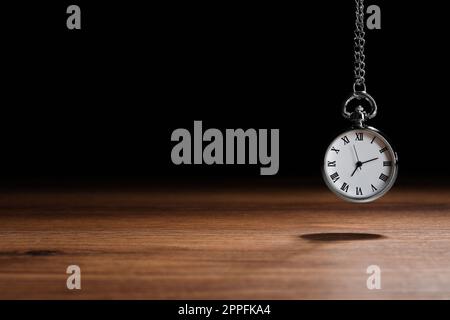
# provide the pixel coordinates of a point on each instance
(383, 177)
(332, 163)
(359, 136)
(373, 140)
(345, 140)
(335, 150)
(345, 187)
(334, 177)
(383, 150)
(373, 188)
(387, 163)
(359, 191)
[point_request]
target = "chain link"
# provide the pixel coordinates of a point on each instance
(359, 42)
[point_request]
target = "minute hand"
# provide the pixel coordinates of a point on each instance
(369, 160)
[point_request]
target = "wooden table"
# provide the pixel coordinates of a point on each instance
(223, 243)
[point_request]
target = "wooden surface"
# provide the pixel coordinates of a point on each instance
(224, 244)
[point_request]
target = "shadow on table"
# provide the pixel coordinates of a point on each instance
(337, 236)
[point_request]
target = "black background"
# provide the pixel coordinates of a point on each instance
(100, 104)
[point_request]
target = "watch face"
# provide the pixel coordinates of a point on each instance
(360, 165)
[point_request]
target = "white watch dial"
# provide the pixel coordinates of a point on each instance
(360, 165)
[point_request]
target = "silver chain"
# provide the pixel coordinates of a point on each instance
(359, 114)
(359, 41)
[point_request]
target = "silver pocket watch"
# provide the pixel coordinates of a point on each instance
(360, 164)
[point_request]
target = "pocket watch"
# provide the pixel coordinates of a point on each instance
(360, 164)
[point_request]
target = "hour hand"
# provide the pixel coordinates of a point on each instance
(369, 160)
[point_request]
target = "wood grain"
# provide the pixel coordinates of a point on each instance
(246, 243)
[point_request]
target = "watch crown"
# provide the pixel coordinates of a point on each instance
(358, 116)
